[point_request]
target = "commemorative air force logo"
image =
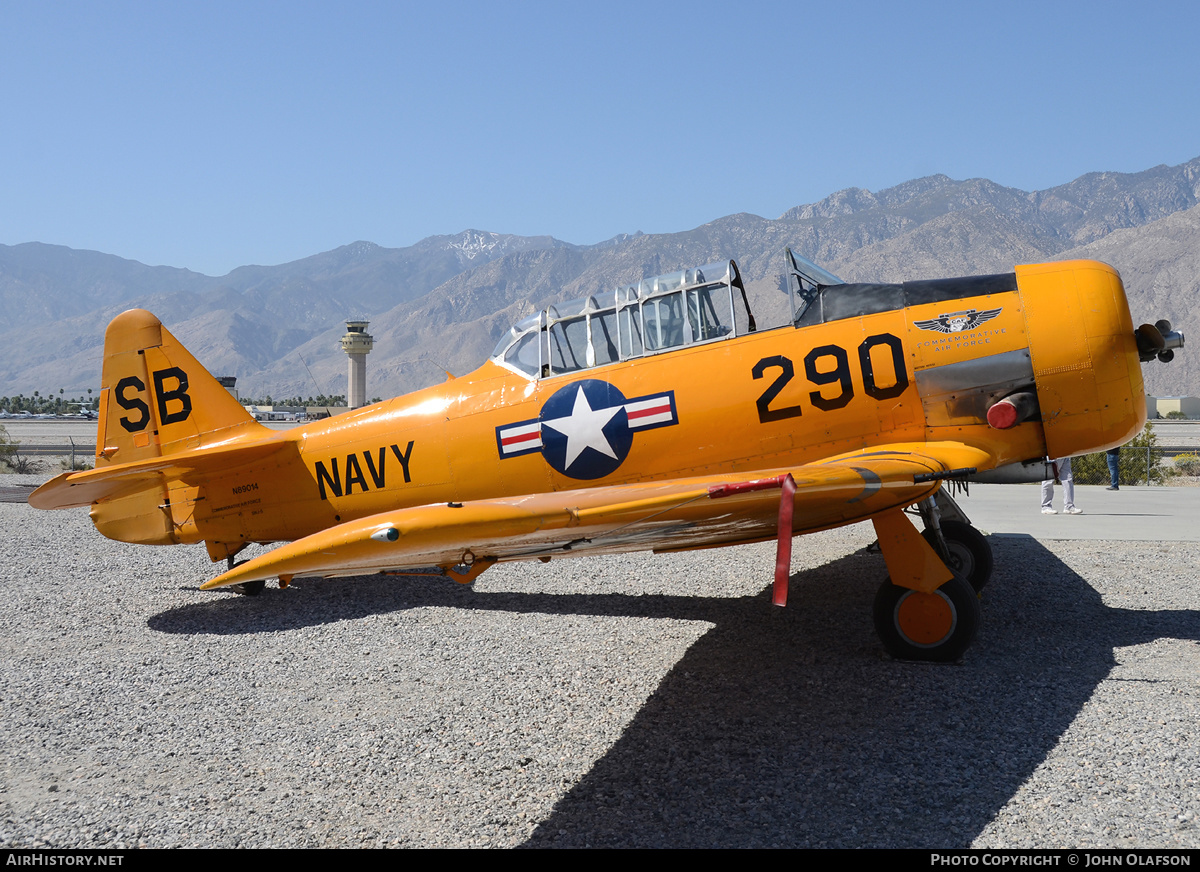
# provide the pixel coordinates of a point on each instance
(585, 430)
(958, 322)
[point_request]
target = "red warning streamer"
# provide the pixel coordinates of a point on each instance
(783, 549)
(787, 505)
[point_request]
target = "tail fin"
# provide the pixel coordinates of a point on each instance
(157, 399)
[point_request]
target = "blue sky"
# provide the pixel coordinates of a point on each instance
(211, 135)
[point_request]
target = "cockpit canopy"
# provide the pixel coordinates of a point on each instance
(805, 280)
(819, 297)
(688, 307)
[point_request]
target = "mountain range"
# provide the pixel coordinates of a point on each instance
(442, 304)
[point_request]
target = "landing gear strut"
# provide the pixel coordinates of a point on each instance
(967, 552)
(931, 609)
(962, 547)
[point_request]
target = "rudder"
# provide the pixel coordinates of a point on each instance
(157, 399)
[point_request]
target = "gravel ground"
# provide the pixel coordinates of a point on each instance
(633, 701)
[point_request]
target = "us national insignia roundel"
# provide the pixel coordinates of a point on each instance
(585, 429)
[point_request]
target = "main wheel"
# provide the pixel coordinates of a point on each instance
(936, 626)
(970, 553)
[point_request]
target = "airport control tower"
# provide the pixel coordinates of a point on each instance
(357, 344)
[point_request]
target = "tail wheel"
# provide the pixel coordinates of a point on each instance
(245, 588)
(249, 588)
(970, 553)
(937, 626)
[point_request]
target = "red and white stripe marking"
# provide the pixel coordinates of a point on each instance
(644, 413)
(523, 437)
(527, 436)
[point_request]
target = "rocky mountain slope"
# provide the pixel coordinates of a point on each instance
(1160, 264)
(442, 303)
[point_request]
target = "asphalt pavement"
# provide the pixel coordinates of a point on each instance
(1131, 514)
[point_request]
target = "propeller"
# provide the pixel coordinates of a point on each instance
(1157, 340)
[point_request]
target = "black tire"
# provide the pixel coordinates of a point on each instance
(249, 588)
(970, 553)
(937, 626)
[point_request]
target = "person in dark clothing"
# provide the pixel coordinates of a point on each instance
(1113, 456)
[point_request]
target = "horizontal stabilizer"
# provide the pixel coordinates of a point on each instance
(74, 489)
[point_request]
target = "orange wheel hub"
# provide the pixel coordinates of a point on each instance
(925, 618)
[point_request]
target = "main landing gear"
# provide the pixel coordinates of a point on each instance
(967, 551)
(928, 607)
(937, 626)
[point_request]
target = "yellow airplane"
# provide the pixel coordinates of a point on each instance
(655, 417)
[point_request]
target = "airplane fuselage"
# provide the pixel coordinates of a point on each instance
(774, 398)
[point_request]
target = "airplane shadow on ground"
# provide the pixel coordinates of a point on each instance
(790, 728)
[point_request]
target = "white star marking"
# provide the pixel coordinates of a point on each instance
(584, 428)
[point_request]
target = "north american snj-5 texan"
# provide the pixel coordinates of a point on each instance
(653, 417)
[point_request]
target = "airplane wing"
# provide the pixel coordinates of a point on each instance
(675, 515)
(74, 489)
